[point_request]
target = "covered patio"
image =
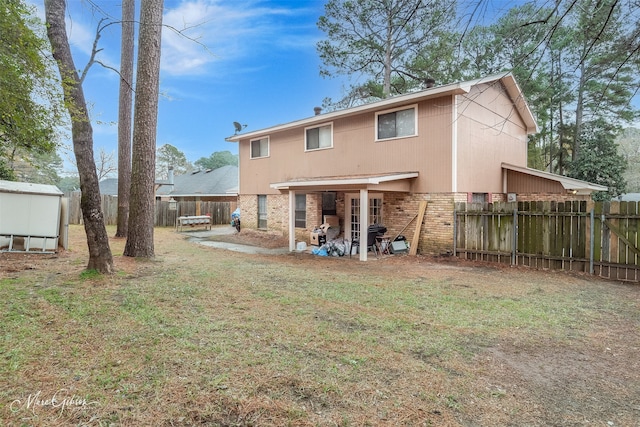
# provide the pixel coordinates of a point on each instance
(359, 206)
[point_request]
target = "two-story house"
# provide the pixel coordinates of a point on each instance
(375, 163)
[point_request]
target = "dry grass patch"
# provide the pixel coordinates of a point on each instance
(201, 336)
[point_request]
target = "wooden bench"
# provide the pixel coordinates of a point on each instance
(193, 221)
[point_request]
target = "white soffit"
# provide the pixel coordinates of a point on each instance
(342, 181)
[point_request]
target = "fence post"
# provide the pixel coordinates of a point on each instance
(592, 220)
(514, 250)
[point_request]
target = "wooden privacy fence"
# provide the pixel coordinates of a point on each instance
(599, 238)
(220, 212)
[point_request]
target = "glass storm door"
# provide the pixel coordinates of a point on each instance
(262, 211)
(352, 227)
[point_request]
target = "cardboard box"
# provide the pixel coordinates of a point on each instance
(332, 220)
(317, 238)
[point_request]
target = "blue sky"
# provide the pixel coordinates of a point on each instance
(254, 62)
(260, 68)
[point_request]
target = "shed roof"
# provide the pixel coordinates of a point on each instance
(461, 88)
(29, 188)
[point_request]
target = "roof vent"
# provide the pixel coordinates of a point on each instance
(317, 110)
(430, 82)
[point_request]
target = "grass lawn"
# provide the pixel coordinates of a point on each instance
(204, 336)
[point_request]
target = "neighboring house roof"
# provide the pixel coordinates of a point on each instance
(109, 187)
(506, 79)
(222, 181)
(629, 197)
(569, 184)
(29, 188)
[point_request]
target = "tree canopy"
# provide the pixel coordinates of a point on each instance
(628, 143)
(30, 97)
(600, 163)
(169, 156)
(217, 160)
(379, 40)
(576, 61)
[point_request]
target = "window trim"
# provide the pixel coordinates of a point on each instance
(413, 107)
(296, 211)
(259, 139)
(306, 149)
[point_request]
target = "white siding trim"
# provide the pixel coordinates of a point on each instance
(292, 220)
(454, 144)
(364, 223)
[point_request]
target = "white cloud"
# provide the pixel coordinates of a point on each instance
(200, 32)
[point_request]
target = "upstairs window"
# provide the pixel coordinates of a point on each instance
(319, 137)
(260, 148)
(396, 124)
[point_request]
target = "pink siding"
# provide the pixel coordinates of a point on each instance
(522, 184)
(490, 132)
(356, 152)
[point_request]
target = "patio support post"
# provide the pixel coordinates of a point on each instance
(364, 223)
(292, 220)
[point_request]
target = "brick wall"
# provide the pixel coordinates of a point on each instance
(248, 211)
(436, 235)
(278, 213)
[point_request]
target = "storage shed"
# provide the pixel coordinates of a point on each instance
(29, 217)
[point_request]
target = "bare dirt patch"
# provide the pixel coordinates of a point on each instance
(247, 236)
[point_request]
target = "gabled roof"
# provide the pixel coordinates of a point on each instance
(569, 184)
(507, 79)
(222, 181)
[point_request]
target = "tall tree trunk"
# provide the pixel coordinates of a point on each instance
(124, 116)
(579, 112)
(142, 203)
(100, 257)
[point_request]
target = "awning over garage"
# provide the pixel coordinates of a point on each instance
(519, 179)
